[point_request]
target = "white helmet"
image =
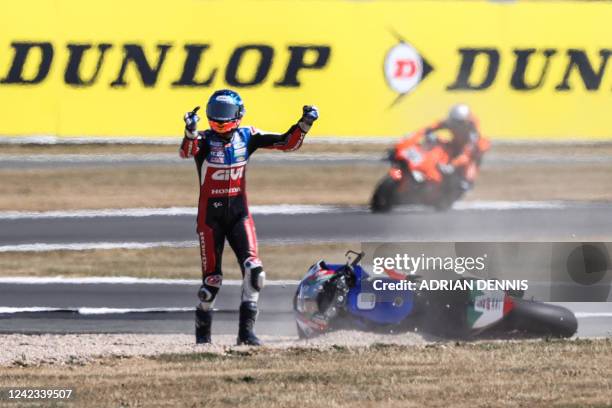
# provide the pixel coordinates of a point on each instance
(460, 113)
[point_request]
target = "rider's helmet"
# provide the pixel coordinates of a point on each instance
(312, 300)
(224, 111)
(459, 115)
(461, 122)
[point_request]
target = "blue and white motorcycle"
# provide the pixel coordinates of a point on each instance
(336, 296)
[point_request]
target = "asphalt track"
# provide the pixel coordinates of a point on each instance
(80, 308)
(375, 158)
(84, 307)
(42, 161)
(565, 222)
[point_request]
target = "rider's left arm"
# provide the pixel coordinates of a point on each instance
(469, 153)
(291, 140)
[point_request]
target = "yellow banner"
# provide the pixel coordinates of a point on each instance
(377, 68)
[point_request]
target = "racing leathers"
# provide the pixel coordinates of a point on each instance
(223, 213)
(465, 149)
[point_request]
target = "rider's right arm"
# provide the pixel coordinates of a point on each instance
(418, 135)
(435, 127)
(191, 146)
(415, 138)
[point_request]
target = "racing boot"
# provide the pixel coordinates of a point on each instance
(248, 315)
(203, 323)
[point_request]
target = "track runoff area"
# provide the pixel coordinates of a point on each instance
(77, 320)
(122, 305)
(131, 305)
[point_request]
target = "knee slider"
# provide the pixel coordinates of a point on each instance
(254, 274)
(254, 280)
(208, 291)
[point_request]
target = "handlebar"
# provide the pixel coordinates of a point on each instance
(356, 260)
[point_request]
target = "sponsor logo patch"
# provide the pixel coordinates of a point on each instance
(233, 190)
(225, 98)
(227, 174)
(216, 159)
(405, 68)
(217, 154)
(213, 280)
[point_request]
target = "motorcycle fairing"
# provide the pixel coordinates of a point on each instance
(486, 308)
(384, 307)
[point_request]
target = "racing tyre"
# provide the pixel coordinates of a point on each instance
(384, 196)
(451, 192)
(300, 332)
(542, 319)
(444, 204)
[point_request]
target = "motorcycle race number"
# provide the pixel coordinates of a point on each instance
(413, 155)
(486, 308)
(366, 301)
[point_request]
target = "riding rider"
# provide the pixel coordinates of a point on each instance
(465, 148)
(221, 154)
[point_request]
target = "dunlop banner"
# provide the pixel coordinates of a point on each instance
(378, 68)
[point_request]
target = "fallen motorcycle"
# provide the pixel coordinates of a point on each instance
(342, 296)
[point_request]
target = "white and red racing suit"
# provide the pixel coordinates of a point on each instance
(223, 211)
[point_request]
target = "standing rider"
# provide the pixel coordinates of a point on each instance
(465, 149)
(221, 154)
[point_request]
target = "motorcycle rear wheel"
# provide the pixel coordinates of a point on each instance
(542, 319)
(384, 196)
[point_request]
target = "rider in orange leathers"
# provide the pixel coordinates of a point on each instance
(465, 148)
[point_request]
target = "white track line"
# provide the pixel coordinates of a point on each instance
(122, 280)
(509, 205)
(86, 246)
(122, 212)
(280, 209)
(92, 310)
(88, 311)
(493, 160)
(289, 209)
(109, 310)
(497, 206)
(586, 315)
(173, 211)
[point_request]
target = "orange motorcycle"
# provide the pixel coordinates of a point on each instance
(417, 177)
